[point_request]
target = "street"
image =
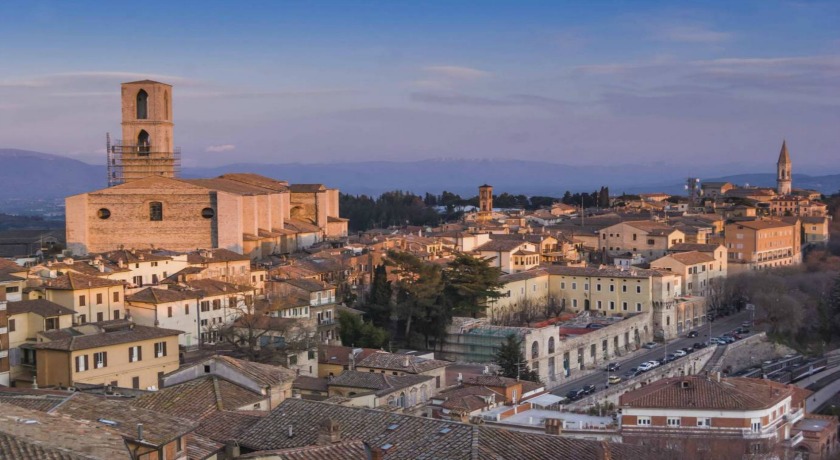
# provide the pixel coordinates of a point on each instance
(599, 378)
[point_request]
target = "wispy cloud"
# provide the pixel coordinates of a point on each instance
(456, 99)
(220, 148)
(457, 72)
(73, 78)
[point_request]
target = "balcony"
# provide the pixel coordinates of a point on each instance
(795, 439)
(795, 416)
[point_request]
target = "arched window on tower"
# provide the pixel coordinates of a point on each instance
(142, 105)
(166, 105)
(143, 143)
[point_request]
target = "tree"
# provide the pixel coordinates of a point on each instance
(512, 362)
(356, 332)
(378, 306)
(418, 288)
(833, 307)
(469, 283)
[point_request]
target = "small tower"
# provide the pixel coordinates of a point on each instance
(485, 203)
(146, 148)
(783, 172)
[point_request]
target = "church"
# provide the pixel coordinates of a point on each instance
(148, 206)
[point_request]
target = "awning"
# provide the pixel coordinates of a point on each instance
(545, 400)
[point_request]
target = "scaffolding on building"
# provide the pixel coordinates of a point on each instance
(128, 162)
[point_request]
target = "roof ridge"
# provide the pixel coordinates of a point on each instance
(217, 392)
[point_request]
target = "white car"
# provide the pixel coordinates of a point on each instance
(679, 353)
(644, 367)
(653, 364)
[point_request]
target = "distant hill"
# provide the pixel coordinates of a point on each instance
(34, 176)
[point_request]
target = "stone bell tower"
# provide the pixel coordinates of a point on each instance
(485, 203)
(146, 148)
(784, 182)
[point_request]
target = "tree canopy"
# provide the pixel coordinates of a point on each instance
(512, 362)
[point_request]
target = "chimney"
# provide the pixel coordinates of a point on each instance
(553, 426)
(329, 432)
(291, 433)
(232, 449)
(405, 361)
(140, 432)
(373, 453)
(352, 364)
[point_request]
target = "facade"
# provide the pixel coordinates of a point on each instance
(117, 353)
(146, 204)
(715, 189)
(698, 270)
(93, 298)
(710, 418)
(757, 244)
(28, 318)
(510, 256)
(648, 238)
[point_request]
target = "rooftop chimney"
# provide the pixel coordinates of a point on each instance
(329, 432)
(139, 431)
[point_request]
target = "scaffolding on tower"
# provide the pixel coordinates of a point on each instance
(128, 162)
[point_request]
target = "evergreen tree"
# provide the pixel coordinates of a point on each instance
(512, 362)
(378, 306)
(355, 332)
(418, 289)
(469, 282)
(833, 307)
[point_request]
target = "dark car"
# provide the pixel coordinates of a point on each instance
(589, 389)
(613, 367)
(688, 350)
(576, 394)
(699, 345)
(629, 375)
(692, 334)
(743, 330)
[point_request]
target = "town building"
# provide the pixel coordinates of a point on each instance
(697, 270)
(147, 205)
(117, 353)
(5, 339)
(406, 392)
(335, 359)
(404, 364)
(650, 238)
(707, 417)
(767, 243)
(26, 319)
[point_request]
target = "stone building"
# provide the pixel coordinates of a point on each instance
(784, 182)
(148, 206)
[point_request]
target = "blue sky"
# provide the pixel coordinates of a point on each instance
(568, 82)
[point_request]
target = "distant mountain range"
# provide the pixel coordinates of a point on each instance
(34, 175)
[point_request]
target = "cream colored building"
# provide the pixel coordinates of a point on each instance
(92, 298)
(118, 353)
(148, 206)
(28, 318)
(758, 244)
(649, 238)
(697, 269)
(511, 256)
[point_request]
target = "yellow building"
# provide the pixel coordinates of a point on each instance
(118, 353)
(757, 244)
(28, 318)
(697, 269)
(92, 298)
(649, 238)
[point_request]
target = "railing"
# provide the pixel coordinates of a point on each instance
(796, 416)
(795, 439)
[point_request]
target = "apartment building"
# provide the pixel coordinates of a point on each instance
(93, 298)
(649, 238)
(696, 269)
(28, 318)
(768, 243)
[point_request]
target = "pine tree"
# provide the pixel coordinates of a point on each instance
(512, 361)
(378, 306)
(469, 282)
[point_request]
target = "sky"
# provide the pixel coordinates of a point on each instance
(664, 83)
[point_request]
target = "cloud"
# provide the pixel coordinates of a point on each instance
(457, 72)
(693, 34)
(220, 148)
(456, 99)
(66, 79)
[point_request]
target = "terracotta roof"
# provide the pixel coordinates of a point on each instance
(523, 275)
(340, 355)
(685, 247)
(397, 362)
(75, 281)
(131, 256)
(307, 188)
(40, 307)
(40, 400)
(609, 271)
(265, 374)
(308, 284)
(305, 382)
(349, 450)
(201, 447)
(257, 180)
(230, 186)
(158, 428)
(300, 226)
(211, 287)
(101, 334)
(209, 256)
(158, 296)
(501, 246)
(762, 224)
(146, 82)
(492, 381)
(228, 425)
(198, 398)
(468, 398)
(690, 258)
(651, 227)
(381, 384)
(700, 392)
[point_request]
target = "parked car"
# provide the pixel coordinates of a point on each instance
(613, 367)
(699, 345)
(679, 353)
(614, 379)
(629, 375)
(589, 389)
(692, 334)
(746, 324)
(654, 363)
(575, 394)
(646, 366)
(743, 330)
(650, 345)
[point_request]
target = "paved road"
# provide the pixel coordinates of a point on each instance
(599, 379)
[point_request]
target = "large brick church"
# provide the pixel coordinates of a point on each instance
(148, 206)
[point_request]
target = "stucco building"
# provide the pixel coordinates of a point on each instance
(767, 243)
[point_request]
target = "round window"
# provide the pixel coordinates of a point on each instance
(103, 213)
(208, 213)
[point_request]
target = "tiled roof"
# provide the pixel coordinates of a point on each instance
(349, 450)
(467, 398)
(40, 400)
(208, 256)
(265, 374)
(409, 437)
(158, 428)
(605, 272)
(158, 296)
(300, 226)
(40, 307)
(75, 281)
(523, 275)
(53, 437)
(305, 382)
(380, 383)
(308, 285)
(762, 224)
(101, 334)
(132, 256)
(684, 247)
(690, 258)
(500, 245)
(306, 188)
(700, 392)
(211, 287)
(397, 362)
(492, 381)
(257, 180)
(198, 398)
(201, 447)
(228, 425)
(340, 355)
(651, 227)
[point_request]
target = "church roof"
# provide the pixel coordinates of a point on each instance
(784, 158)
(146, 82)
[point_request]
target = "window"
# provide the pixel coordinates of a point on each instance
(205, 305)
(612, 305)
(638, 289)
(11, 325)
(643, 421)
(135, 383)
(103, 213)
(81, 363)
(137, 280)
(612, 288)
(82, 301)
(562, 285)
(179, 443)
(598, 304)
(574, 285)
(638, 306)
(116, 296)
(135, 354)
(116, 314)
(704, 422)
(186, 309)
(160, 349)
(100, 359)
(624, 306)
(624, 288)
(169, 312)
(574, 303)
(598, 287)
(156, 211)
(99, 299)
(100, 316)
(143, 144)
(142, 105)
(82, 319)
(756, 424)
(673, 421)
(217, 304)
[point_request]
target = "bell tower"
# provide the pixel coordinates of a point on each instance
(485, 203)
(146, 148)
(783, 172)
